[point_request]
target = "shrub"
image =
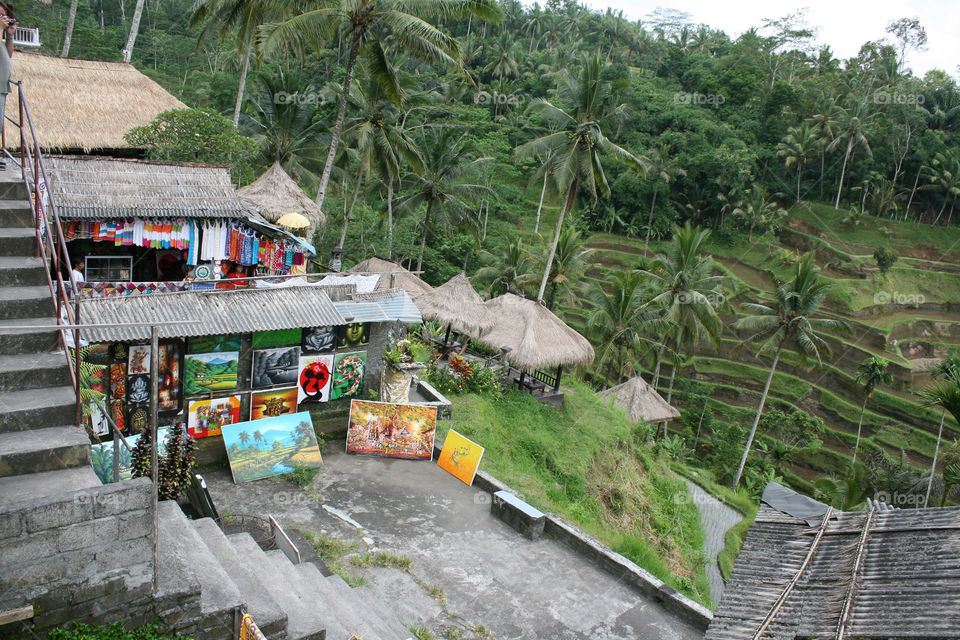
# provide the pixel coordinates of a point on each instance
(113, 631)
(173, 467)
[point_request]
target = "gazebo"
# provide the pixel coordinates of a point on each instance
(456, 304)
(641, 401)
(393, 276)
(276, 194)
(536, 339)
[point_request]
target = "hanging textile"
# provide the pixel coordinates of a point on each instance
(249, 629)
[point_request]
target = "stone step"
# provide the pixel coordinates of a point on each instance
(348, 611)
(38, 450)
(19, 271)
(268, 615)
(378, 608)
(18, 241)
(26, 302)
(20, 341)
(11, 184)
(15, 212)
(305, 618)
(36, 408)
(33, 486)
(33, 371)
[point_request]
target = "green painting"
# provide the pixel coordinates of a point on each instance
(211, 344)
(282, 338)
(348, 373)
(209, 372)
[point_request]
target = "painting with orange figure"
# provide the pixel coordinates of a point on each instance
(460, 457)
(391, 430)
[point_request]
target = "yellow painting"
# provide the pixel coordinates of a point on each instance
(460, 457)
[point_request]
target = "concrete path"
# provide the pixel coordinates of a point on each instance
(471, 572)
(715, 519)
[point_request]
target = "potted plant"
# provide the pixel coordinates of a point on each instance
(402, 362)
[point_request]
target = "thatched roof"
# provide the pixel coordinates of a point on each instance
(402, 278)
(641, 401)
(84, 104)
(457, 304)
(537, 338)
(96, 187)
(275, 194)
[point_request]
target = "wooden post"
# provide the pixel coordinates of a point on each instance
(76, 361)
(154, 390)
(559, 373)
(446, 338)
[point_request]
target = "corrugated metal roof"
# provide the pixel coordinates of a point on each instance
(216, 312)
(361, 311)
(396, 303)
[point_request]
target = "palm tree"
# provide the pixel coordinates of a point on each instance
(825, 129)
(574, 151)
(797, 147)
(664, 169)
(441, 183)
(949, 369)
(503, 57)
(943, 173)
(569, 262)
(68, 34)
(244, 437)
(506, 271)
(759, 210)
(852, 132)
(370, 24)
(789, 322)
(134, 29)
(870, 373)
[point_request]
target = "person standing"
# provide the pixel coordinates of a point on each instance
(76, 275)
(7, 28)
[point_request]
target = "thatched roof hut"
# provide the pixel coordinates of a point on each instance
(275, 194)
(394, 276)
(457, 305)
(537, 339)
(84, 104)
(641, 401)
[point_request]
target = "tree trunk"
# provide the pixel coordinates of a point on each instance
(799, 171)
(843, 172)
(653, 202)
(68, 36)
(906, 212)
(703, 412)
(567, 206)
(933, 465)
(856, 446)
(656, 370)
(673, 374)
(243, 83)
(390, 218)
(536, 226)
(756, 420)
(338, 123)
(353, 202)
(423, 239)
(134, 27)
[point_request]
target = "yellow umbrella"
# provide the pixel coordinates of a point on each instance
(293, 221)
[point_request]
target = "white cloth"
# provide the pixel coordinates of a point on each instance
(76, 279)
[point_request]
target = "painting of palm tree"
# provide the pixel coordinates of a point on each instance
(271, 446)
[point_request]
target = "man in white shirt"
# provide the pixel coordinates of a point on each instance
(76, 275)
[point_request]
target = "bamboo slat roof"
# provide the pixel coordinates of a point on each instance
(641, 401)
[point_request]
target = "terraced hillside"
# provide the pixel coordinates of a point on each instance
(911, 317)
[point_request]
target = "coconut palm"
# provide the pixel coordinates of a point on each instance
(574, 151)
(569, 263)
(788, 322)
(943, 173)
(134, 30)
(664, 169)
(68, 34)
(852, 133)
(825, 129)
(370, 24)
(798, 146)
(759, 210)
(870, 373)
(949, 370)
(507, 271)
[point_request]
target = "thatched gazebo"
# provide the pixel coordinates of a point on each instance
(535, 337)
(276, 194)
(456, 304)
(641, 401)
(393, 276)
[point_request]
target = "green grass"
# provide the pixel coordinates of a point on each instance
(383, 559)
(581, 462)
(333, 551)
(783, 385)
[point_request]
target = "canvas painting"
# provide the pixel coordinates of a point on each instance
(138, 389)
(355, 334)
(206, 418)
(272, 446)
(272, 367)
(97, 419)
(118, 381)
(316, 374)
(139, 418)
(171, 379)
(391, 430)
(119, 414)
(210, 372)
(211, 344)
(460, 457)
(138, 359)
(319, 339)
(101, 456)
(281, 338)
(97, 353)
(273, 403)
(348, 375)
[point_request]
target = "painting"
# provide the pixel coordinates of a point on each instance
(313, 384)
(138, 389)
(98, 353)
(209, 372)
(272, 367)
(281, 338)
(139, 419)
(119, 414)
(273, 403)
(355, 334)
(138, 359)
(97, 419)
(271, 447)
(460, 457)
(213, 344)
(101, 456)
(118, 352)
(319, 339)
(118, 381)
(391, 430)
(348, 375)
(171, 379)
(206, 418)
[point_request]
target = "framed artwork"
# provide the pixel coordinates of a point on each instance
(273, 367)
(210, 372)
(139, 418)
(313, 383)
(281, 338)
(271, 447)
(138, 389)
(206, 418)
(319, 339)
(138, 359)
(391, 430)
(170, 384)
(97, 353)
(348, 373)
(211, 344)
(273, 403)
(118, 352)
(119, 414)
(118, 381)
(355, 334)
(460, 457)
(101, 456)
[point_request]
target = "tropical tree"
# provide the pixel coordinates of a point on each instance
(244, 437)
(68, 34)
(759, 211)
(573, 152)
(569, 262)
(944, 394)
(507, 270)
(943, 173)
(370, 24)
(664, 169)
(788, 322)
(134, 30)
(798, 146)
(870, 373)
(852, 133)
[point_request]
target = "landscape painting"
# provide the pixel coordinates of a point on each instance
(280, 338)
(273, 403)
(391, 430)
(460, 457)
(273, 367)
(313, 384)
(206, 418)
(210, 344)
(101, 456)
(170, 382)
(271, 447)
(210, 372)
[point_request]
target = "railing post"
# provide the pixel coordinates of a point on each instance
(76, 365)
(154, 467)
